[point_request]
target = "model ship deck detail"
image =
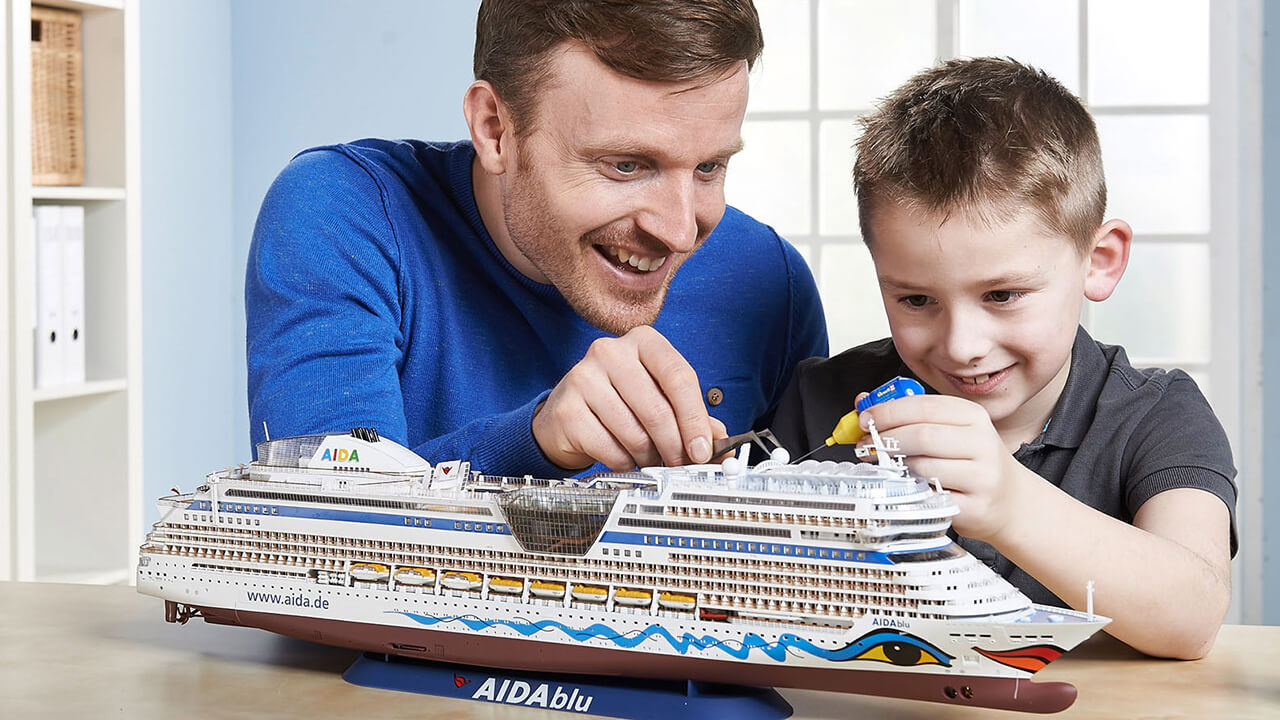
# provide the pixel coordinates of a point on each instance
(817, 575)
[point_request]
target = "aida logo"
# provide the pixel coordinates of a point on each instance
(519, 692)
(341, 455)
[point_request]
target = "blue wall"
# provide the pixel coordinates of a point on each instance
(190, 281)
(1271, 311)
(231, 89)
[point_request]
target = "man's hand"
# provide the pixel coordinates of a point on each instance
(631, 401)
(953, 440)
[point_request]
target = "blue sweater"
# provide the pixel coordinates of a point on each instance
(375, 297)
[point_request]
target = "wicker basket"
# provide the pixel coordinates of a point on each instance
(57, 98)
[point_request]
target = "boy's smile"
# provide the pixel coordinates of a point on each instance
(983, 311)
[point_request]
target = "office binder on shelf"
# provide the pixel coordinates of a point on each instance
(49, 356)
(73, 330)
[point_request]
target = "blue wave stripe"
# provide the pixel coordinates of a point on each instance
(740, 650)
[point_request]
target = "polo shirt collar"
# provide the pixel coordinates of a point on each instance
(1073, 415)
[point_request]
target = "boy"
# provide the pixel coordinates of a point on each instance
(981, 197)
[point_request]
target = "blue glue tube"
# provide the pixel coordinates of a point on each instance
(896, 388)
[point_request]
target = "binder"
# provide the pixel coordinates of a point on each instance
(49, 358)
(73, 330)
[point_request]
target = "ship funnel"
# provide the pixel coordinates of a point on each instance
(367, 434)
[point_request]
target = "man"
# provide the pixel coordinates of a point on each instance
(515, 301)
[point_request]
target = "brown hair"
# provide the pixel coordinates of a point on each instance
(660, 40)
(987, 136)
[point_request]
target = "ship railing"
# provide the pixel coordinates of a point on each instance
(602, 481)
(261, 471)
(850, 486)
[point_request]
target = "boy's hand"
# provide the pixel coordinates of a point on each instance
(953, 440)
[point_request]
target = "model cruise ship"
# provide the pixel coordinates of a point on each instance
(819, 575)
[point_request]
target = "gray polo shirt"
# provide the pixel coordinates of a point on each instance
(1118, 436)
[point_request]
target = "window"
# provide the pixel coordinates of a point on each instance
(801, 122)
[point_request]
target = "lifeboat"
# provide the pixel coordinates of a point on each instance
(546, 589)
(458, 580)
(415, 576)
(370, 572)
(632, 597)
(589, 593)
(709, 614)
(676, 600)
(510, 586)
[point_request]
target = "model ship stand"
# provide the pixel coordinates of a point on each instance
(606, 696)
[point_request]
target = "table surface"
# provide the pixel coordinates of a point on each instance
(79, 651)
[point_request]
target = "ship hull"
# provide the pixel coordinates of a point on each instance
(533, 656)
(453, 628)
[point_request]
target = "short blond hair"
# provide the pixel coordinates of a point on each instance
(990, 137)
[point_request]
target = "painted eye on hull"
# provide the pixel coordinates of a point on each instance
(900, 653)
(896, 648)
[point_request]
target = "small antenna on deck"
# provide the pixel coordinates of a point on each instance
(264, 430)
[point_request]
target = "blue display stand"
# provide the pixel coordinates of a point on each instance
(597, 695)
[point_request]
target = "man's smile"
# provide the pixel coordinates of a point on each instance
(631, 260)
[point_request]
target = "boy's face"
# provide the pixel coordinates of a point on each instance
(983, 312)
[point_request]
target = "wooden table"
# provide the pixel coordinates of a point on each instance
(76, 651)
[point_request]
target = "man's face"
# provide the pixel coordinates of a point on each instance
(987, 313)
(617, 182)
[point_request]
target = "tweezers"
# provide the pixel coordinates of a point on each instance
(724, 445)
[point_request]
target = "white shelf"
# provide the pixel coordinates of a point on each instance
(93, 387)
(76, 193)
(83, 5)
(71, 478)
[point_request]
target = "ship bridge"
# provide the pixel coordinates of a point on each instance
(360, 451)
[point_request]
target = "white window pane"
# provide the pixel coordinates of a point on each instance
(1045, 33)
(780, 80)
(769, 179)
(1157, 170)
(866, 48)
(1160, 309)
(850, 296)
(1149, 52)
(838, 207)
